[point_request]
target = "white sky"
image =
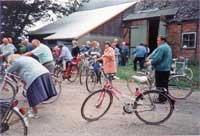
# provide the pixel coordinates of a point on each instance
(42, 23)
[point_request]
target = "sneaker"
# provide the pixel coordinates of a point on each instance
(32, 115)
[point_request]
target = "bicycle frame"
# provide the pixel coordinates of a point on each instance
(18, 83)
(13, 107)
(120, 96)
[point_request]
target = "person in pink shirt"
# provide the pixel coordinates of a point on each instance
(108, 58)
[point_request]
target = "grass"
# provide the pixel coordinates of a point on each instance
(123, 72)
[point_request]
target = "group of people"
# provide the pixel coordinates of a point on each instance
(36, 72)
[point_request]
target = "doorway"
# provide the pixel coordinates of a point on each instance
(153, 33)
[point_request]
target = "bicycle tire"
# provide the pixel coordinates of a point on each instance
(91, 81)
(83, 75)
(180, 86)
(73, 74)
(189, 73)
(58, 86)
(13, 123)
(148, 99)
(96, 105)
(7, 91)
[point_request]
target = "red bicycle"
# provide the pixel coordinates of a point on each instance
(72, 70)
(143, 104)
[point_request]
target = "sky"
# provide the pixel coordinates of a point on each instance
(42, 23)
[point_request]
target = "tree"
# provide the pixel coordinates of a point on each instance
(16, 15)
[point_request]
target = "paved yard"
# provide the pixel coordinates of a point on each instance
(63, 118)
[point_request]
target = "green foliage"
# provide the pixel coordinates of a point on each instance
(18, 14)
(123, 72)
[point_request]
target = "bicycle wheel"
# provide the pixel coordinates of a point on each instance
(96, 105)
(58, 86)
(12, 123)
(83, 74)
(91, 81)
(189, 73)
(59, 74)
(180, 86)
(73, 74)
(151, 112)
(7, 91)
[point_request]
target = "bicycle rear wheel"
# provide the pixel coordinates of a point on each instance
(150, 111)
(180, 86)
(73, 74)
(12, 123)
(58, 86)
(96, 105)
(7, 91)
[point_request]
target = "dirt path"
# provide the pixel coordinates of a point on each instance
(63, 118)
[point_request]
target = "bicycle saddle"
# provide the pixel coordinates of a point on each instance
(140, 79)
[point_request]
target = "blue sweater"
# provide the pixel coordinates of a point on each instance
(162, 58)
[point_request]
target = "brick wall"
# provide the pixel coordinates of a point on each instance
(175, 39)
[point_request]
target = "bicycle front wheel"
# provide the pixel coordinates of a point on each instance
(96, 105)
(180, 86)
(83, 74)
(7, 91)
(91, 81)
(12, 123)
(151, 111)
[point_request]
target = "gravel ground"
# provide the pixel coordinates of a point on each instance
(63, 118)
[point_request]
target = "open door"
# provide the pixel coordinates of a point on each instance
(138, 34)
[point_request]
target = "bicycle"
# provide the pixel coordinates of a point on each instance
(18, 84)
(7, 90)
(74, 71)
(84, 67)
(95, 77)
(180, 67)
(13, 121)
(179, 86)
(143, 105)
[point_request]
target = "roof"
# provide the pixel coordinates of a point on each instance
(79, 23)
(188, 9)
(151, 14)
(95, 4)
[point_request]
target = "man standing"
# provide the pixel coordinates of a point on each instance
(161, 60)
(140, 53)
(124, 54)
(43, 53)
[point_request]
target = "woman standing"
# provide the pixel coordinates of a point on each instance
(39, 84)
(108, 58)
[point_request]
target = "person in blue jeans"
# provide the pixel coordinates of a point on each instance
(140, 54)
(161, 60)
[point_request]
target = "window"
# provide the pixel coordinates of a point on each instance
(189, 40)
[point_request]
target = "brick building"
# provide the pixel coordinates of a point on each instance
(178, 20)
